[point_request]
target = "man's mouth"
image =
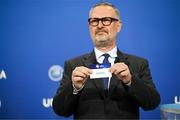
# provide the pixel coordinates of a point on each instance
(101, 32)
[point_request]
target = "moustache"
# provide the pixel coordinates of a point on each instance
(101, 31)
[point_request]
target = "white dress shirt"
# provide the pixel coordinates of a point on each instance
(100, 58)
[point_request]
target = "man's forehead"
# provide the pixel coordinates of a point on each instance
(103, 11)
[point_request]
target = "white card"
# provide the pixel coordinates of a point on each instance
(100, 73)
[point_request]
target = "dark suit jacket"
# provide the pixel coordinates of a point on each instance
(121, 102)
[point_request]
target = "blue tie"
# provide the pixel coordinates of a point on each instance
(105, 80)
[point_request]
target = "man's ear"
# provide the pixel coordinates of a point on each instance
(119, 25)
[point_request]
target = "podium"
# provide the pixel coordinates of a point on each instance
(170, 111)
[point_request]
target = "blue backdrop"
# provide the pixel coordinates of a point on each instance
(37, 34)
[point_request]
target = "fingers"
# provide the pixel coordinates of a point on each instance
(80, 74)
(121, 70)
(124, 73)
(118, 68)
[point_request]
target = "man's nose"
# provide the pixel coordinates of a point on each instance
(100, 25)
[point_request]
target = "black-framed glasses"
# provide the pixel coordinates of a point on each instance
(106, 21)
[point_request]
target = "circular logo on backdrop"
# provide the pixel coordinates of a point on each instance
(55, 73)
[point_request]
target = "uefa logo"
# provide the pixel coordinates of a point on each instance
(55, 73)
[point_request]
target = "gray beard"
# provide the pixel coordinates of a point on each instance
(102, 43)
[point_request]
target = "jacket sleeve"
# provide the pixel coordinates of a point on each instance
(142, 88)
(64, 102)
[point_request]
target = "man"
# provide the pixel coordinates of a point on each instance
(129, 87)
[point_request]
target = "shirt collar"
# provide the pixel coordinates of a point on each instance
(112, 53)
